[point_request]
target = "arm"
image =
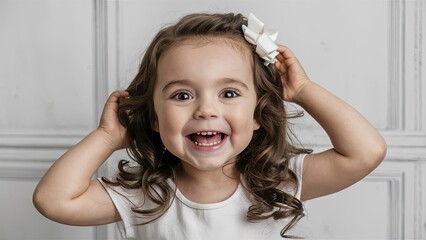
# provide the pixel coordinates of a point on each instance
(357, 147)
(66, 193)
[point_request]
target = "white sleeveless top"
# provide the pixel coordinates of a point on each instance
(189, 220)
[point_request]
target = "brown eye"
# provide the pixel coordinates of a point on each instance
(182, 96)
(229, 94)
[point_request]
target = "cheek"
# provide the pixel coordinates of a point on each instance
(250, 115)
(167, 123)
(156, 114)
(170, 125)
(244, 115)
(169, 120)
(256, 125)
(163, 119)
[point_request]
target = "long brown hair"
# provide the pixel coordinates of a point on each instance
(263, 165)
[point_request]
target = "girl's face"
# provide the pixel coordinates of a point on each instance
(205, 99)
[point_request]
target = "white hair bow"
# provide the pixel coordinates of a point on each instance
(264, 41)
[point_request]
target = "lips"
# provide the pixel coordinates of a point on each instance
(207, 138)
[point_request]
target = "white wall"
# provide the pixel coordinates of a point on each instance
(59, 60)
(47, 103)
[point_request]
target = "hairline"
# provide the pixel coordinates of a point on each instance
(201, 40)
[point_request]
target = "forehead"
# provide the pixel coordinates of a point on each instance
(233, 42)
(207, 57)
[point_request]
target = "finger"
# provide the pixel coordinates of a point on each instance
(281, 67)
(285, 52)
(280, 57)
(286, 56)
(116, 95)
(120, 94)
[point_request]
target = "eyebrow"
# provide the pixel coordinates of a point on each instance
(176, 82)
(222, 81)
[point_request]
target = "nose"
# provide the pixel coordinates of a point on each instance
(206, 109)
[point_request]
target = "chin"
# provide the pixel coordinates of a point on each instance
(208, 166)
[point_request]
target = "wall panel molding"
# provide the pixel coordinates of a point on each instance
(419, 103)
(40, 140)
(401, 145)
(25, 156)
(405, 131)
(396, 63)
(395, 180)
(101, 54)
(421, 218)
(30, 164)
(419, 201)
(100, 22)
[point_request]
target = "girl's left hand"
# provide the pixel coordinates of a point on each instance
(293, 75)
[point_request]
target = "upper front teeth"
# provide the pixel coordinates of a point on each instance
(206, 133)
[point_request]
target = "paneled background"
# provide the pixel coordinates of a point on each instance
(46, 101)
(60, 59)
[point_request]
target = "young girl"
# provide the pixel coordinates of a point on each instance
(205, 125)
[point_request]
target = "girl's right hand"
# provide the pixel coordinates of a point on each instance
(68, 184)
(114, 132)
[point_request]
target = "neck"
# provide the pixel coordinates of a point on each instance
(207, 186)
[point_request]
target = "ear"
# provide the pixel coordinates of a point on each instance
(155, 126)
(256, 125)
(154, 123)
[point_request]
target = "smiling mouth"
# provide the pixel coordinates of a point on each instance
(207, 138)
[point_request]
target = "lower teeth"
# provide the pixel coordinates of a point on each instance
(206, 144)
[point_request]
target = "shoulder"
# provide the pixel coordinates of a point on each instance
(134, 207)
(296, 164)
(121, 194)
(296, 161)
